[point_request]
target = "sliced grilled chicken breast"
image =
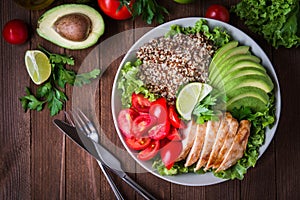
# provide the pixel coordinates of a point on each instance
(220, 138)
(233, 127)
(194, 154)
(188, 139)
(238, 146)
(210, 136)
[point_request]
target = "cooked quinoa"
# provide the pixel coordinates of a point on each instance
(169, 62)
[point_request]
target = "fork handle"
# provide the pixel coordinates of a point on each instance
(138, 188)
(110, 181)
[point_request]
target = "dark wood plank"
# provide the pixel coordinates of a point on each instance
(15, 173)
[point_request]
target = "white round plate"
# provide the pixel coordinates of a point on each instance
(192, 179)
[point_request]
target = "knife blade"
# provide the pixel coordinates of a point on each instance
(71, 132)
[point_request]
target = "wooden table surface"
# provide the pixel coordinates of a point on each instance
(38, 162)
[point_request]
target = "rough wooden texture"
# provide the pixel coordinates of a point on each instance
(38, 162)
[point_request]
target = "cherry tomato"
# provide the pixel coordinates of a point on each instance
(170, 152)
(173, 117)
(111, 9)
(217, 12)
(137, 144)
(150, 151)
(159, 110)
(140, 103)
(15, 32)
(142, 124)
(174, 134)
(125, 121)
(159, 131)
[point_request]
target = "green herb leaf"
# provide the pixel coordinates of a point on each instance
(85, 78)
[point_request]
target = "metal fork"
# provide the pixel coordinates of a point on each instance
(94, 136)
(107, 159)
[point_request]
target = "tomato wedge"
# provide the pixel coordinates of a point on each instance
(150, 151)
(174, 134)
(170, 152)
(159, 131)
(173, 116)
(140, 103)
(142, 124)
(125, 121)
(137, 144)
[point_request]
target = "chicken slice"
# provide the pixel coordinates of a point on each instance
(221, 135)
(197, 145)
(210, 136)
(189, 135)
(238, 146)
(233, 126)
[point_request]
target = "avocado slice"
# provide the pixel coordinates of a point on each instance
(250, 99)
(238, 73)
(262, 82)
(227, 69)
(240, 50)
(231, 61)
(72, 26)
(263, 96)
(219, 53)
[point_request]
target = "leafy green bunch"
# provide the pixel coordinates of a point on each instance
(50, 92)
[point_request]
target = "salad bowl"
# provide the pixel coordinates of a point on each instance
(193, 179)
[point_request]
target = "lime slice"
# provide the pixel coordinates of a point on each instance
(38, 66)
(189, 96)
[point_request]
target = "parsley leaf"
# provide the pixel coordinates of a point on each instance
(204, 110)
(49, 93)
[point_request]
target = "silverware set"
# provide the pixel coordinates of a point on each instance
(83, 132)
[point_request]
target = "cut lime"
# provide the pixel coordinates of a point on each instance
(38, 66)
(189, 96)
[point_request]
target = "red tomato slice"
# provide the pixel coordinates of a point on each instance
(159, 110)
(174, 134)
(170, 152)
(137, 144)
(125, 121)
(173, 117)
(142, 124)
(140, 103)
(150, 151)
(159, 131)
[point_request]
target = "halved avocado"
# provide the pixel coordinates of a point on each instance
(72, 26)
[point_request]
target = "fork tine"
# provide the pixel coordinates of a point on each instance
(69, 119)
(87, 121)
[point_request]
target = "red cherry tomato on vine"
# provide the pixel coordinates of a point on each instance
(15, 31)
(111, 9)
(217, 12)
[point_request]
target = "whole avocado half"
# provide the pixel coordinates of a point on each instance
(72, 26)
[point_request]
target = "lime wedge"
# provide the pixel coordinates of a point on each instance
(38, 66)
(189, 96)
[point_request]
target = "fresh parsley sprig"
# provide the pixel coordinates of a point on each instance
(149, 10)
(50, 92)
(204, 110)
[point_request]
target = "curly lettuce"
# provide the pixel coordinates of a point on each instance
(276, 20)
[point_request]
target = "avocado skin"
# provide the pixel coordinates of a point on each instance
(46, 29)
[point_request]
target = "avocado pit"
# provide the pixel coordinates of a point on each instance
(75, 26)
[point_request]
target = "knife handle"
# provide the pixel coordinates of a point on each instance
(138, 188)
(110, 181)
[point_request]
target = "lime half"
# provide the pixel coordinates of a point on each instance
(189, 96)
(38, 66)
